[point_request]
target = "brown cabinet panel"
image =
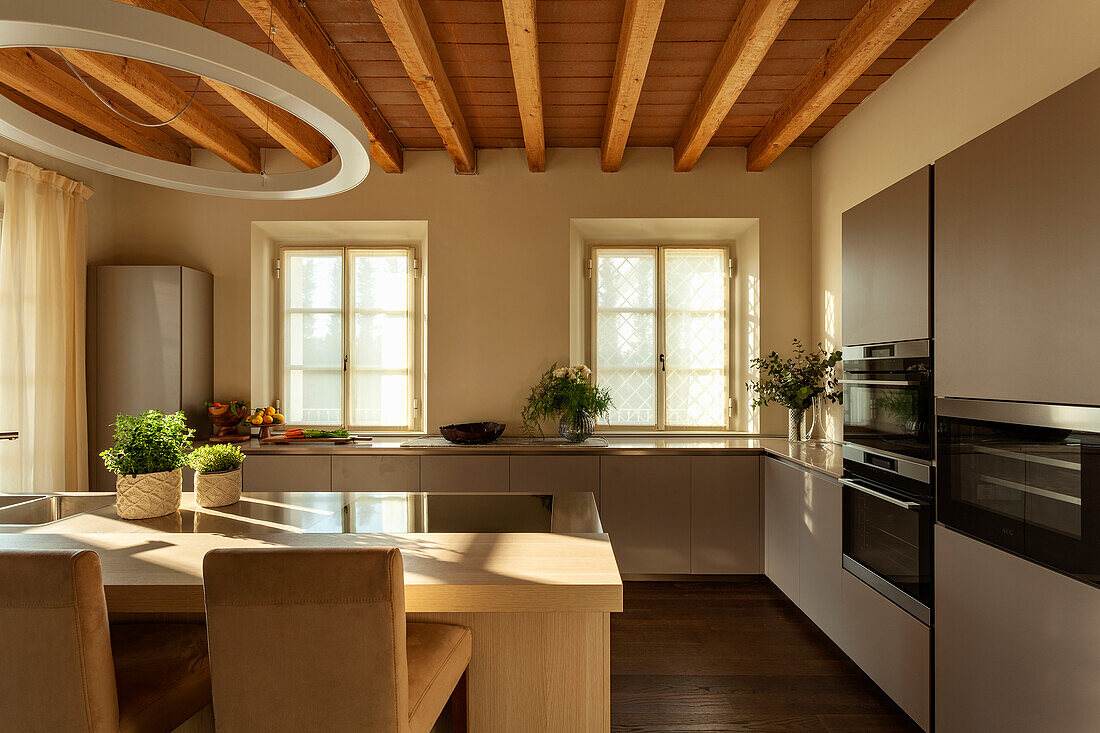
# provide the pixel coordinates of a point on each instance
(464, 473)
(820, 550)
(1016, 264)
(375, 473)
(784, 494)
(646, 510)
(892, 647)
(1017, 645)
(555, 474)
(287, 473)
(886, 291)
(725, 514)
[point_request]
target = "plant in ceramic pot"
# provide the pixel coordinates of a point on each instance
(568, 394)
(796, 382)
(217, 474)
(147, 456)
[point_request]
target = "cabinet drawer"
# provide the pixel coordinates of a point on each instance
(375, 473)
(555, 474)
(892, 647)
(646, 510)
(464, 473)
(287, 473)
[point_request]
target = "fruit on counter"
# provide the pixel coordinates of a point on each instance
(265, 416)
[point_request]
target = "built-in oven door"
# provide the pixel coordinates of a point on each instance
(1024, 477)
(888, 544)
(888, 398)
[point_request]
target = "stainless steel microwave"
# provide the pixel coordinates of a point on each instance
(1023, 477)
(888, 398)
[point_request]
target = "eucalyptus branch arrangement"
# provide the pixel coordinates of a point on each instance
(564, 391)
(796, 381)
(148, 443)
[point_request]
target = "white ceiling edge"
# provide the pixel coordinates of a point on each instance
(342, 232)
(115, 28)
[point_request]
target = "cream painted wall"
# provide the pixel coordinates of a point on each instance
(498, 254)
(997, 59)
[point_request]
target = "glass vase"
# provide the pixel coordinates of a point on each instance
(576, 427)
(796, 429)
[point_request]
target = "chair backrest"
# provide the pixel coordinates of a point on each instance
(307, 639)
(55, 643)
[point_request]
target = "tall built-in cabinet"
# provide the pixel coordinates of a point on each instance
(151, 346)
(1016, 256)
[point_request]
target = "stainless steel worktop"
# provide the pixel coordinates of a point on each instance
(818, 455)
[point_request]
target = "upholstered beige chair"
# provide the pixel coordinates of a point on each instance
(65, 669)
(316, 639)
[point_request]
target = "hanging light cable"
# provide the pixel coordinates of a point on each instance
(120, 113)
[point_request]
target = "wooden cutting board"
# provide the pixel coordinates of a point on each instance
(280, 440)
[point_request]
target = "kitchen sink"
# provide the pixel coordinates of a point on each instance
(34, 509)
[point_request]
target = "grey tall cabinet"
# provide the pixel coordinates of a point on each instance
(151, 346)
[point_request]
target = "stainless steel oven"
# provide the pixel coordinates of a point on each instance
(888, 518)
(1024, 477)
(888, 398)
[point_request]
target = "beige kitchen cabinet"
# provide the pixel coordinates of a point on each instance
(554, 474)
(725, 515)
(375, 473)
(892, 648)
(1017, 645)
(784, 493)
(464, 473)
(820, 550)
(287, 473)
(646, 511)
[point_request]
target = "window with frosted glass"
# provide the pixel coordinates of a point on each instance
(626, 333)
(348, 342)
(380, 368)
(696, 346)
(313, 337)
(661, 335)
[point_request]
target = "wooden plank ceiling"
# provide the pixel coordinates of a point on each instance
(465, 93)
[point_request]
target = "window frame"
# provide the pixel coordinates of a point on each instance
(659, 248)
(415, 332)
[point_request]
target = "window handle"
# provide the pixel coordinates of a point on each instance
(345, 362)
(662, 358)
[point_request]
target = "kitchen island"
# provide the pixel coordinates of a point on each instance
(533, 576)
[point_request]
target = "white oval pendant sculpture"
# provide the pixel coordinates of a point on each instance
(123, 30)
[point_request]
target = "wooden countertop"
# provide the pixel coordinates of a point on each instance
(818, 455)
(151, 569)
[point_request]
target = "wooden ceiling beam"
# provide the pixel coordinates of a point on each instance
(305, 143)
(305, 44)
(523, 47)
(877, 25)
(32, 75)
(641, 19)
(408, 31)
(159, 96)
(753, 33)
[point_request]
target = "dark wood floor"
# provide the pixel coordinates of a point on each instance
(734, 656)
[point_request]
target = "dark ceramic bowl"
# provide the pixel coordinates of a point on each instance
(472, 433)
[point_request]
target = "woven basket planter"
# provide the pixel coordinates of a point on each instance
(218, 489)
(148, 495)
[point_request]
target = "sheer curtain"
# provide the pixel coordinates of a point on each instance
(42, 310)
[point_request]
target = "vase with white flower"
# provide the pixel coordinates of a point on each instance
(568, 394)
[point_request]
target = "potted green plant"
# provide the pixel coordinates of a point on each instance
(568, 394)
(147, 456)
(796, 382)
(217, 474)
